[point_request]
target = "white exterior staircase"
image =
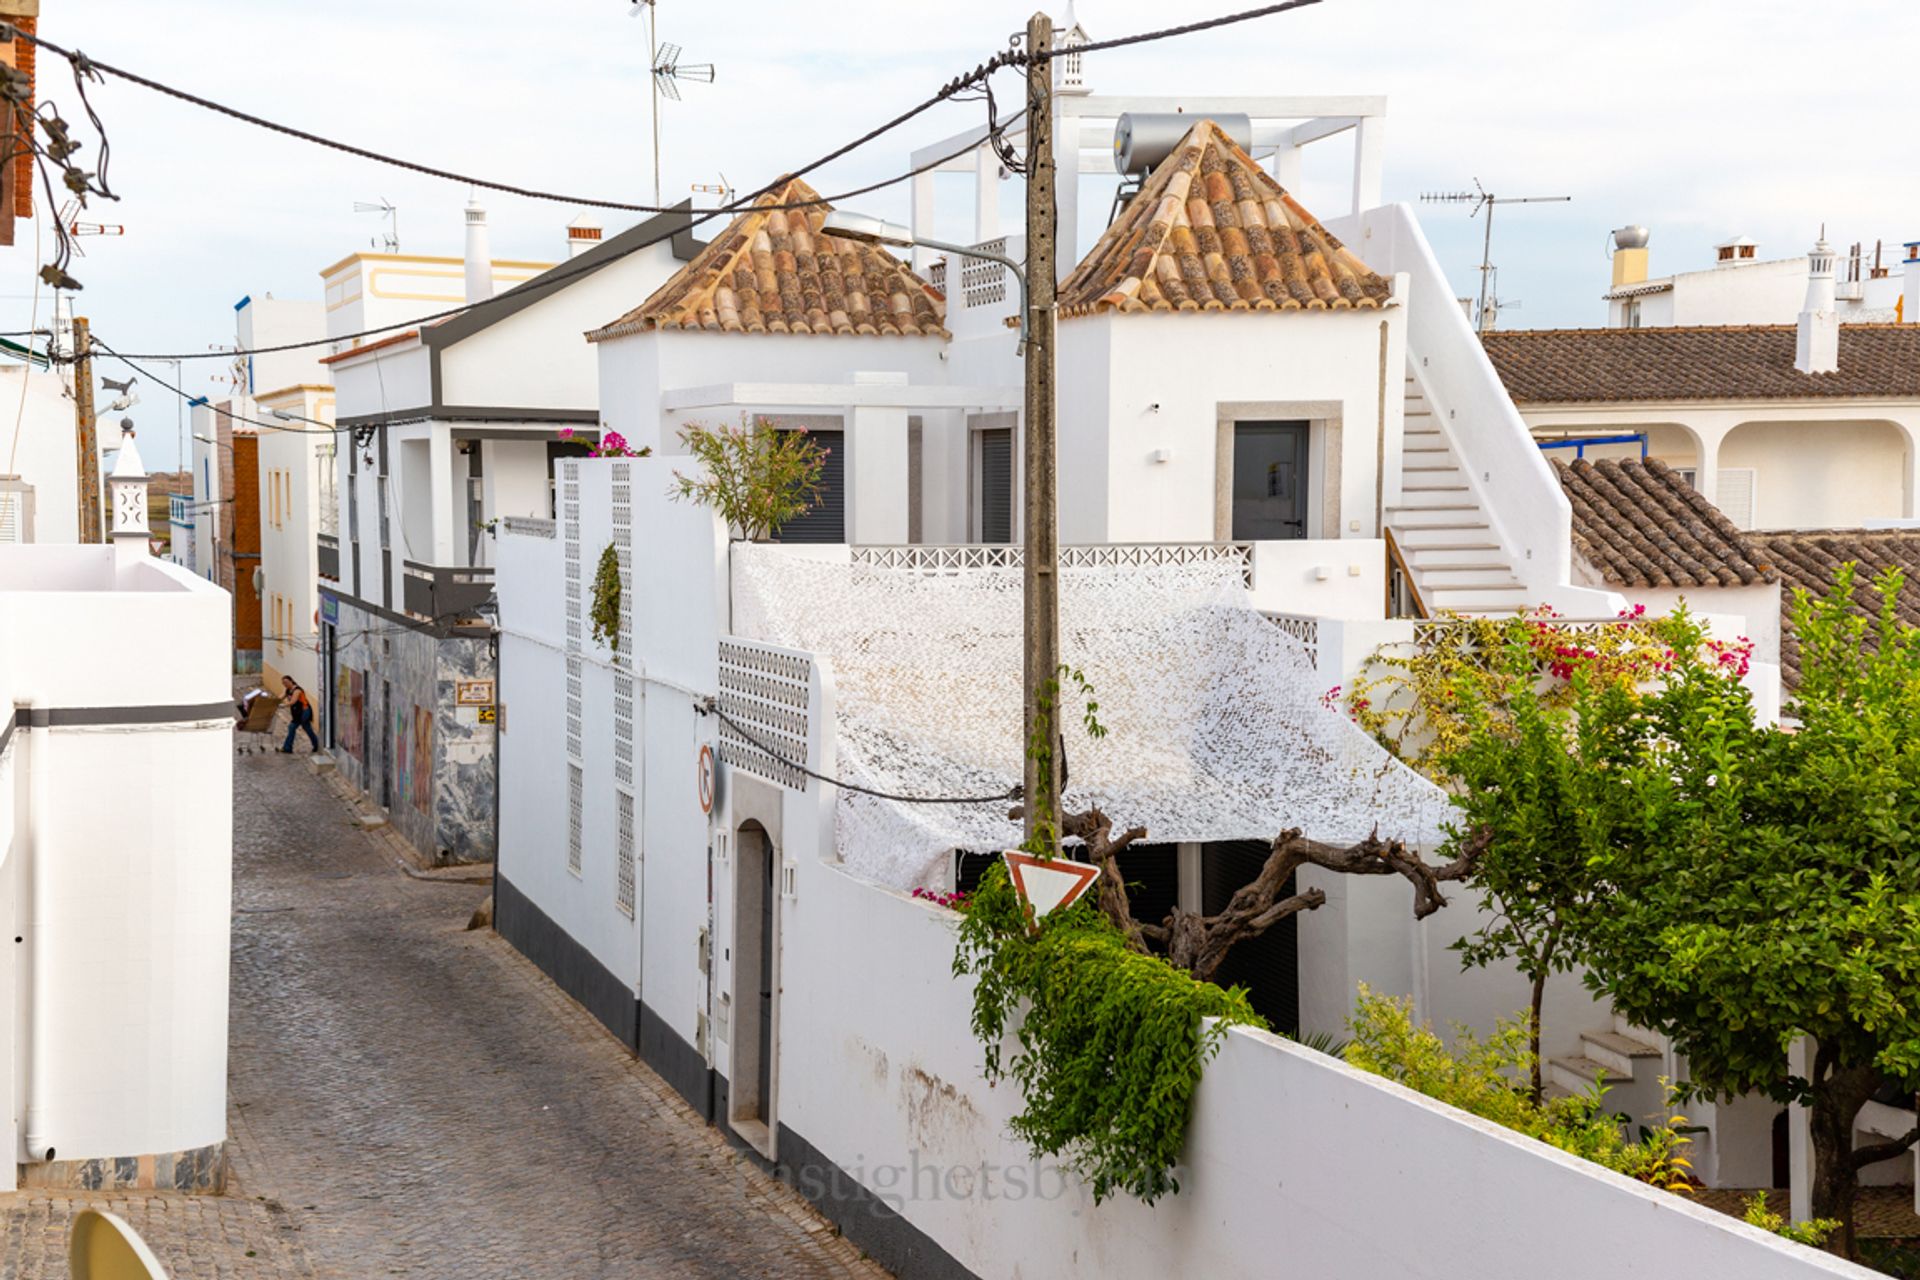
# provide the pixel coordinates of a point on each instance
(1444, 536)
(1616, 1055)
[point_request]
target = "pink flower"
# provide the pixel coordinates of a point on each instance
(566, 433)
(614, 442)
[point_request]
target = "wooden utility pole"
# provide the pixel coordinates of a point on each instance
(1042, 514)
(87, 440)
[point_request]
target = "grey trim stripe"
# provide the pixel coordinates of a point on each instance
(6, 734)
(94, 717)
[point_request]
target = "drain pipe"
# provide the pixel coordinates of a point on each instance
(40, 996)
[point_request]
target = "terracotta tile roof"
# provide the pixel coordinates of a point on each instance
(1808, 559)
(775, 271)
(1736, 362)
(1640, 524)
(378, 344)
(1212, 231)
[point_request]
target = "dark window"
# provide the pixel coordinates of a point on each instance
(1267, 966)
(996, 485)
(1152, 873)
(1269, 481)
(827, 520)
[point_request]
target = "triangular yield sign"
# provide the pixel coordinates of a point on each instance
(1045, 887)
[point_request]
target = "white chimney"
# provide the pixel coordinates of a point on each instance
(127, 492)
(583, 233)
(479, 254)
(1817, 349)
(1910, 287)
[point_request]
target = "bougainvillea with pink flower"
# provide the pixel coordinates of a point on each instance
(952, 900)
(1416, 699)
(611, 444)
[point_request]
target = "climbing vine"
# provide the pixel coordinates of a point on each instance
(606, 599)
(1111, 1041)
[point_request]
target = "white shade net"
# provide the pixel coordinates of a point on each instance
(1216, 725)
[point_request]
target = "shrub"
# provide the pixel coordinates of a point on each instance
(757, 477)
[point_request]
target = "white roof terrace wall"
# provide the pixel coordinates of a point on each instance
(41, 453)
(1132, 386)
(637, 369)
(140, 886)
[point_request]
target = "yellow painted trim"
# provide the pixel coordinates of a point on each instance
(344, 302)
(296, 388)
(350, 259)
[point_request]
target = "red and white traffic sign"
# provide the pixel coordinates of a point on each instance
(1045, 887)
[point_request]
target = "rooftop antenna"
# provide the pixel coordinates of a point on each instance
(723, 189)
(390, 239)
(666, 71)
(1480, 198)
(77, 229)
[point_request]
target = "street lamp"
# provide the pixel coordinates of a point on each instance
(870, 230)
(285, 416)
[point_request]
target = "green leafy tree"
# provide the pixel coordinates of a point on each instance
(1760, 884)
(758, 477)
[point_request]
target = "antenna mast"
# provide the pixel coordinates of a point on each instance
(1480, 198)
(665, 70)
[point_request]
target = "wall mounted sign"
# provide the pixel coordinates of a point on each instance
(329, 610)
(486, 715)
(473, 693)
(707, 781)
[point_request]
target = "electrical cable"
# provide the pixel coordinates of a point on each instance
(26, 380)
(1167, 33)
(148, 374)
(713, 705)
(81, 62)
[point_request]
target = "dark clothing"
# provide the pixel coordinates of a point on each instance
(299, 716)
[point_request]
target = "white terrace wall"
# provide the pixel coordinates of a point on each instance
(138, 835)
(1135, 388)
(1297, 1165)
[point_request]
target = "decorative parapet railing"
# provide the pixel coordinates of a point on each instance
(765, 693)
(1428, 630)
(1302, 628)
(960, 558)
(529, 526)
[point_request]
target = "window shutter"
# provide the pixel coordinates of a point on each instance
(1735, 496)
(827, 520)
(996, 485)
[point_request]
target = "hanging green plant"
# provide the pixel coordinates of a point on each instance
(606, 599)
(1111, 1041)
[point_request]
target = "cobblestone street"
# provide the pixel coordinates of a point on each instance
(409, 1098)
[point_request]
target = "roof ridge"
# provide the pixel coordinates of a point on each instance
(776, 269)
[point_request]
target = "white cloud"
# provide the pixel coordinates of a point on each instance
(1697, 119)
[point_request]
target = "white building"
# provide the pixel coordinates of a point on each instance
(1784, 426)
(1263, 419)
(39, 477)
(1741, 287)
(115, 861)
(453, 428)
(299, 516)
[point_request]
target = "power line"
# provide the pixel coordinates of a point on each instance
(82, 62)
(1167, 33)
(564, 272)
(153, 377)
(713, 705)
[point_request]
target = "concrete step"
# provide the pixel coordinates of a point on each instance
(1463, 551)
(1619, 1052)
(1458, 533)
(1478, 601)
(1445, 515)
(1477, 560)
(1418, 498)
(1579, 1075)
(1464, 577)
(1432, 482)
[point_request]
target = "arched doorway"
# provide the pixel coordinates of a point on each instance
(755, 917)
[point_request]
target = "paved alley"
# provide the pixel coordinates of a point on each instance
(409, 1098)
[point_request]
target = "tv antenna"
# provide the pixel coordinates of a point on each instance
(390, 239)
(1480, 198)
(666, 72)
(77, 229)
(723, 189)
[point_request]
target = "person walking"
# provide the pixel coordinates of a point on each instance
(299, 715)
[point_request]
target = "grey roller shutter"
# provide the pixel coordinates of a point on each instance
(996, 485)
(827, 520)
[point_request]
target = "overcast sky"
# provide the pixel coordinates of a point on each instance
(1700, 119)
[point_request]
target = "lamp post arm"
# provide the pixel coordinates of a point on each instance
(1016, 270)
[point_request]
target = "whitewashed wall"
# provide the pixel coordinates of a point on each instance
(41, 451)
(1296, 1164)
(141, 884)
(1138, 384)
